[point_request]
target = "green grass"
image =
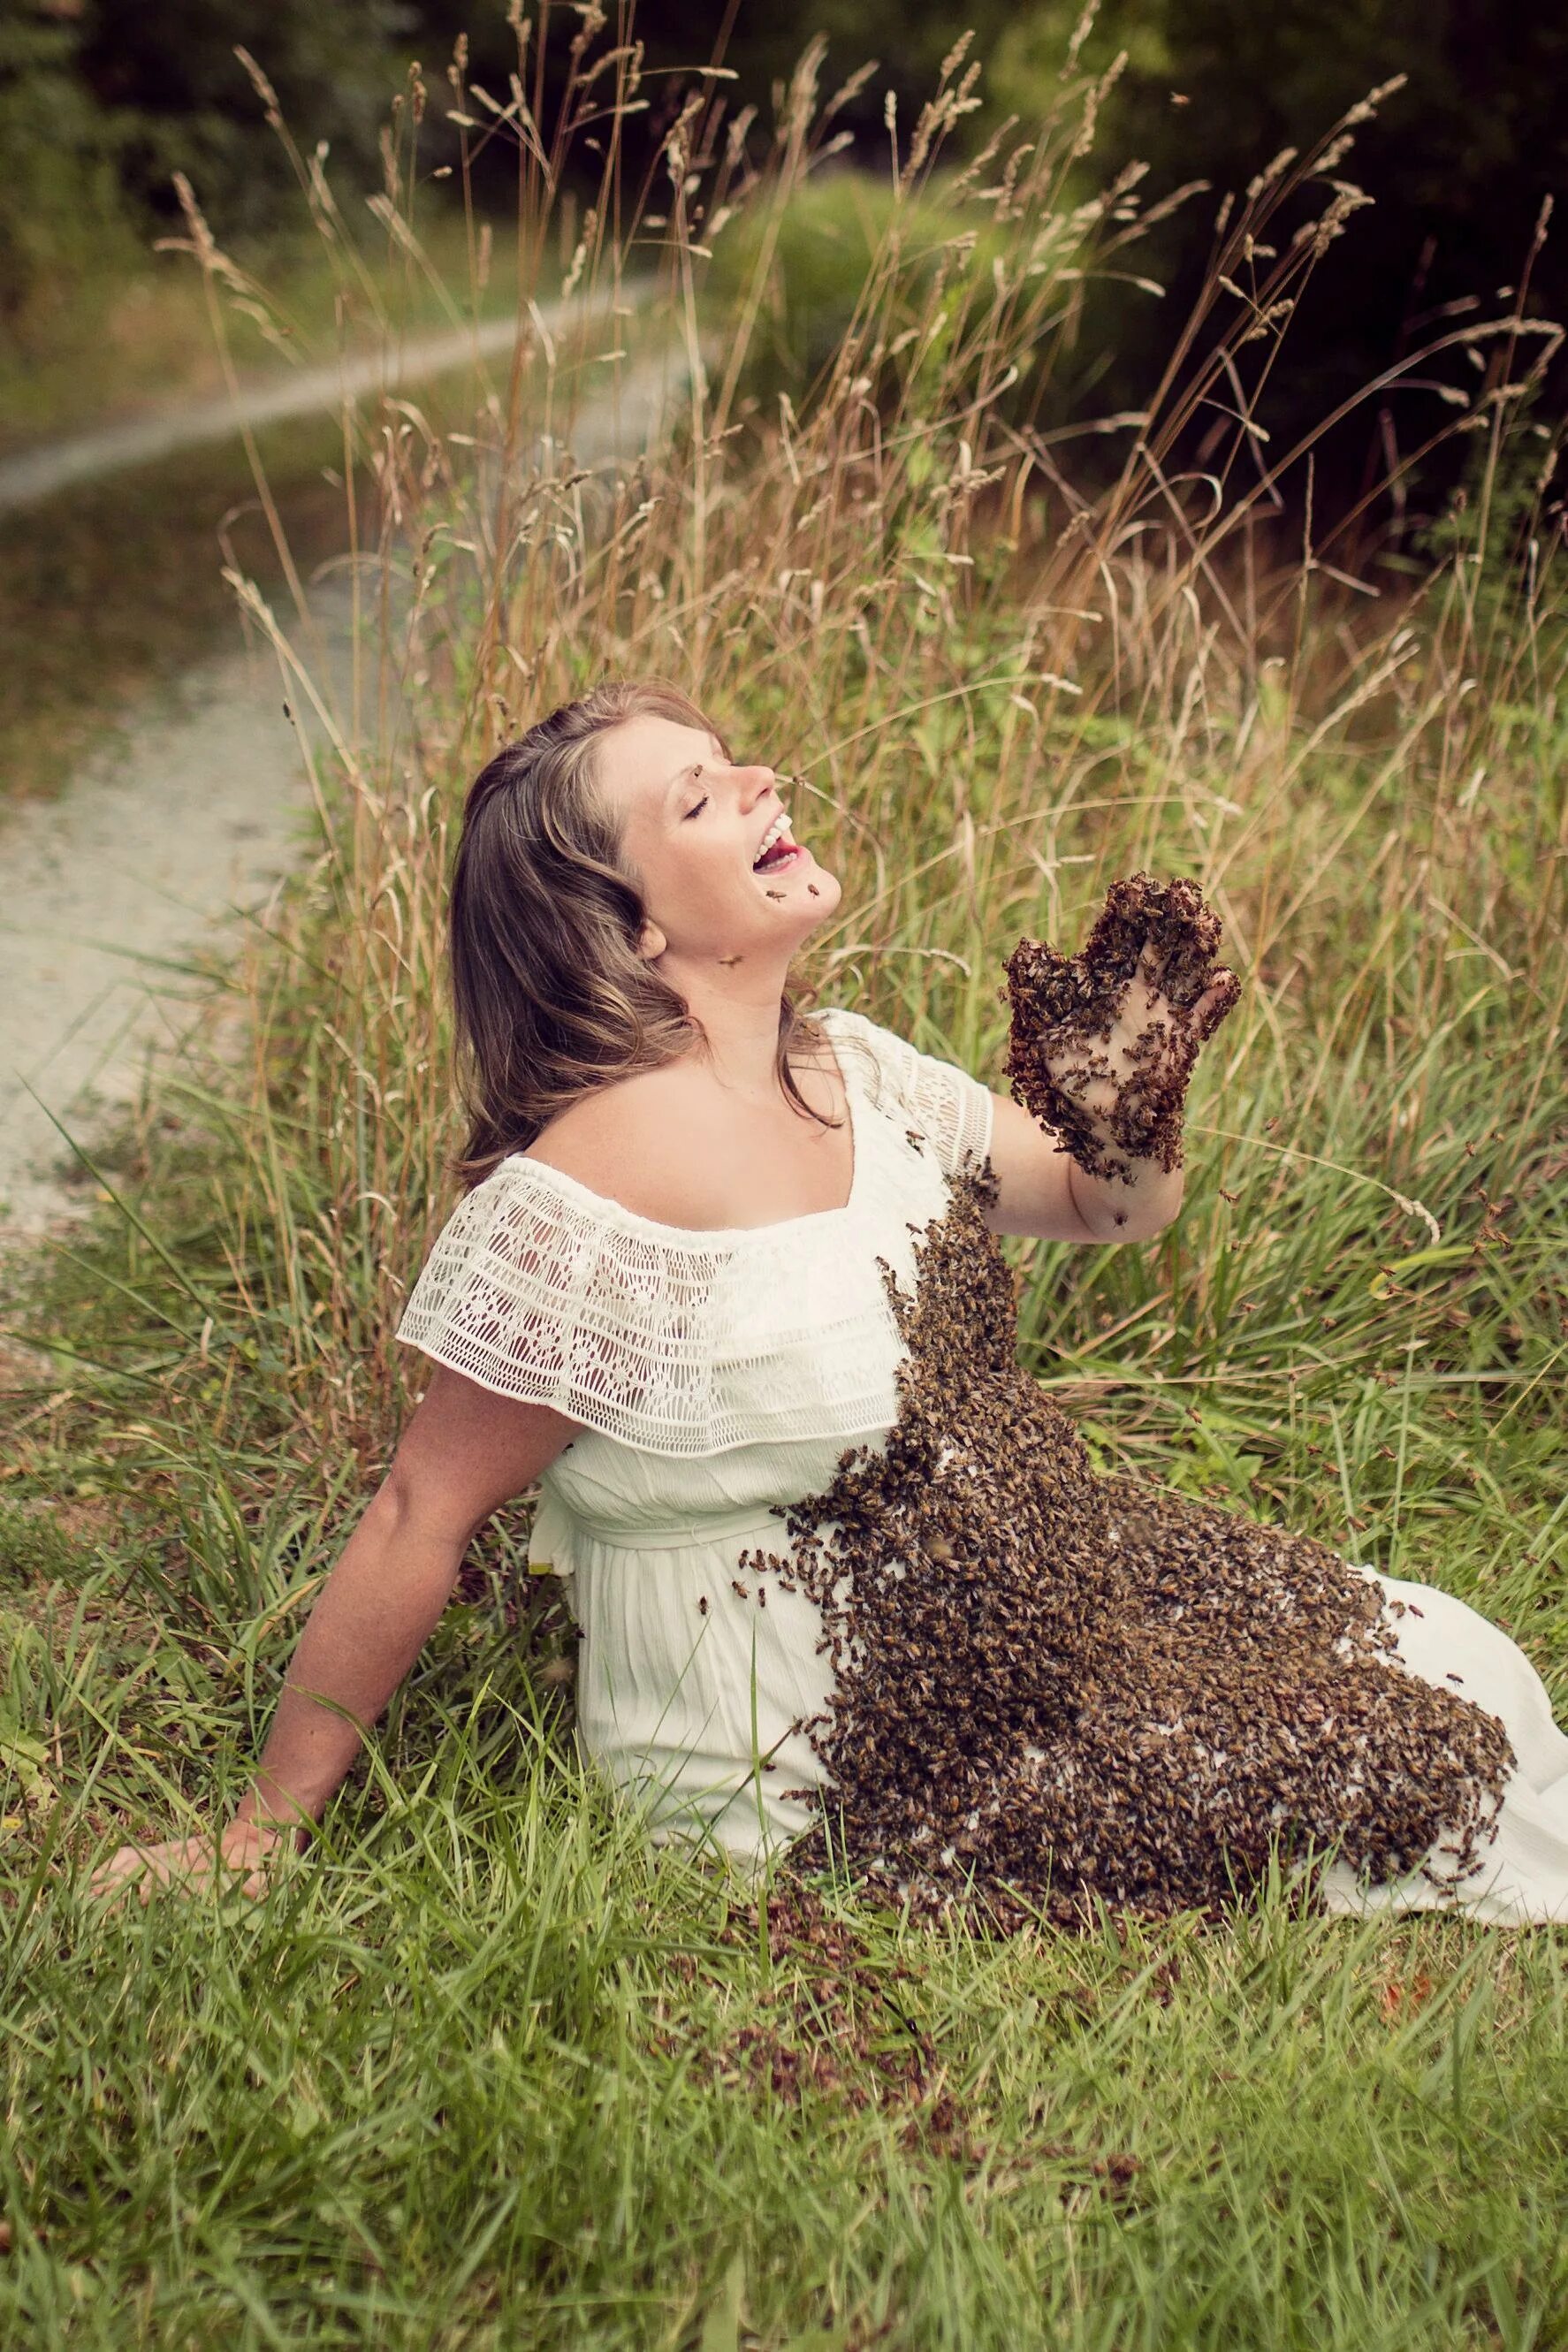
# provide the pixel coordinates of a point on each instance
(478, 2072)
(482, 2070)
(481, 2076)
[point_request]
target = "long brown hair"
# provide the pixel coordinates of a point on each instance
(550, 995)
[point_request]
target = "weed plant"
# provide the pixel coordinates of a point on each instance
(483, 2069)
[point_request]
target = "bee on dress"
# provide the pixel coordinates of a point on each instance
(1052, 1684)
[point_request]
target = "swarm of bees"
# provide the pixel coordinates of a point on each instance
(1052, 1685)
(1065, 1007)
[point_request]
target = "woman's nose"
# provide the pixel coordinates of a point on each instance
(757, 781)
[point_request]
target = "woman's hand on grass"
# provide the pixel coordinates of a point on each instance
(245, 1853)
(1103, 1043)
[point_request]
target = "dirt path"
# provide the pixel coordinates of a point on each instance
(141, 440)
(155, 852)
(144, 858)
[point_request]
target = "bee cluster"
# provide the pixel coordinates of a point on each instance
(1064, 1009)
(1054, 1684)
(832, 2019)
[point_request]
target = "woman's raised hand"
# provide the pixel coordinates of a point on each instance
(1103, 1043)
(245, 1853)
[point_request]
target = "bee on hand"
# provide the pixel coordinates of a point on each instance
(1103, 1043)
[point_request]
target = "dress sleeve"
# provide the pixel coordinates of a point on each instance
(953, 1110)
(536, 1291)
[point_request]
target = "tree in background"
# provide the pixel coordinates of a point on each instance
(166, 72)
(1458, 164)
(62, 213)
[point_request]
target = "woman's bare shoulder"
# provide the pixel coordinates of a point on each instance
(666, 1143)
(638, 1140)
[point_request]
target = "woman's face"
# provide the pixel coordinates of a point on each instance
(692, 825)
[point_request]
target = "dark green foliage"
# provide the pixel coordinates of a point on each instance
(60, 203)
(821, 250)
(1458, 162)
(168, 75)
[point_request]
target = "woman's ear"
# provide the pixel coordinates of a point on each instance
(652, 942)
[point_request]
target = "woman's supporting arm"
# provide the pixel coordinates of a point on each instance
(463, 1454)
(370, 1620)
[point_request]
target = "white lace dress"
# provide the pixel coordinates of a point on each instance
(718, 1374)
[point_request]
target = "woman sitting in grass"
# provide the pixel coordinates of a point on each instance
(724, 1285)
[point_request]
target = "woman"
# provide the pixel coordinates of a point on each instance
(722, 1269)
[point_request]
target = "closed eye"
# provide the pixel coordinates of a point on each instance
(692, 812)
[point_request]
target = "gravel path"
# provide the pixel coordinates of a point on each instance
(151, 853)
(141, 440)
(145, 856)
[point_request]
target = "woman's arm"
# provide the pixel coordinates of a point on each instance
(1041, 1191)
(463, 1454)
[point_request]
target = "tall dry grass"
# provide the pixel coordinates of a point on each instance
(997, 691)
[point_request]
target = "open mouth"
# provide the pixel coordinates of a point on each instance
(777, 849)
